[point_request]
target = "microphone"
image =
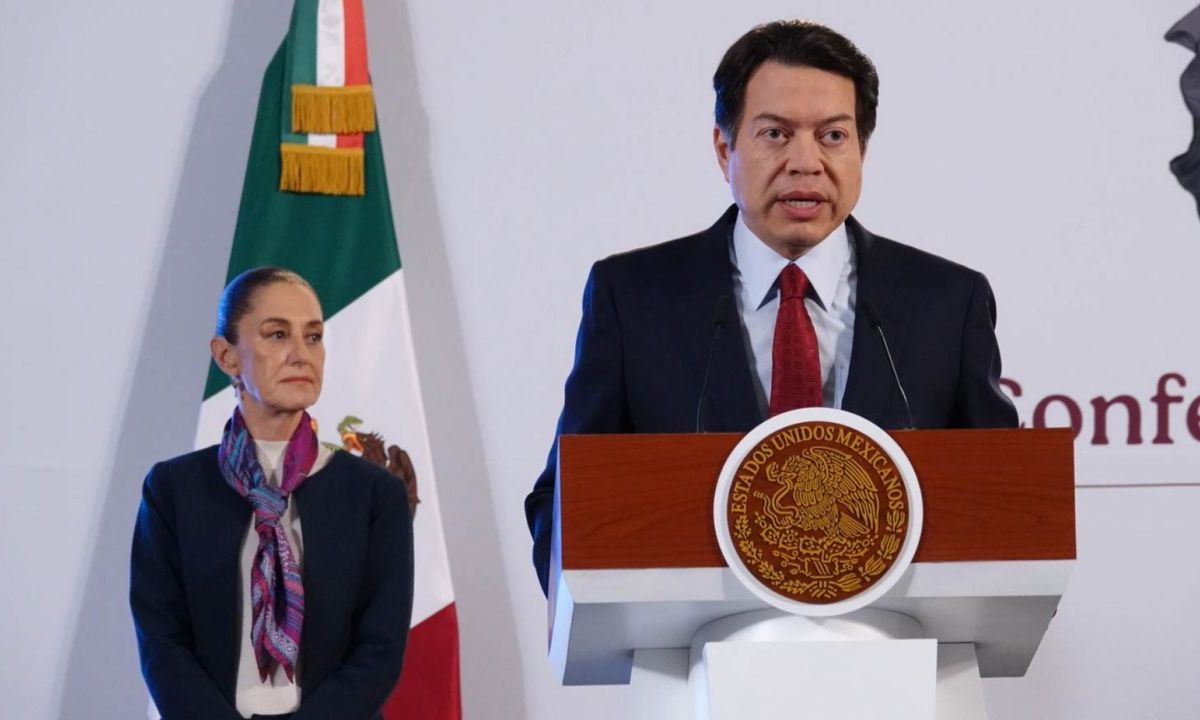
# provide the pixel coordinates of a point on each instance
(720, 315)
(869, 311)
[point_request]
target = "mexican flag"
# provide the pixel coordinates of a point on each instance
(338, 234)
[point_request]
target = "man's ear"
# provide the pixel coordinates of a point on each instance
(722, 147)
(224, 355)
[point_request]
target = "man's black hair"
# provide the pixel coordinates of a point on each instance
(799, 44)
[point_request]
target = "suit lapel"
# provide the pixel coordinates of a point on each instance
(226, 518)
(729, 401)
(870, 388)
(315, 531)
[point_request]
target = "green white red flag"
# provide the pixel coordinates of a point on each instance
(328, 103)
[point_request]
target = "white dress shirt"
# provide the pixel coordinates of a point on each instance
(830, 267)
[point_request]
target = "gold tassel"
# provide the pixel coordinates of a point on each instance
(333, 110)
(324, 170)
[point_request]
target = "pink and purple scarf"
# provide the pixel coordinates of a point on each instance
(276, 588)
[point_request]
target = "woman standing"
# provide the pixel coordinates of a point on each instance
(270, 576)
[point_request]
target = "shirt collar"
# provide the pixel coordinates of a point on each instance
(759, 266)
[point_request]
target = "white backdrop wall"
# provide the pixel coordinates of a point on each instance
(524, 141)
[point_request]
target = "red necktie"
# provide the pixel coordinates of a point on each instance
(795, 358)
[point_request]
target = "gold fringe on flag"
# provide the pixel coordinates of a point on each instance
(324, 170)
(333, 110)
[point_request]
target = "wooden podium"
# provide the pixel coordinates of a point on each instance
(636, 569)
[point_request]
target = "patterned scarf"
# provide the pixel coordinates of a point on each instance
(276, 588)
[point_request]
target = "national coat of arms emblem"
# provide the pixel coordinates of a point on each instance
(817, 512)
(1186, 167)
(371, 446)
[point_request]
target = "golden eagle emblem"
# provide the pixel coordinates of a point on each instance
(833, 504)
(371, 446)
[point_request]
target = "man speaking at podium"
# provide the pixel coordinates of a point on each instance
(787, 301)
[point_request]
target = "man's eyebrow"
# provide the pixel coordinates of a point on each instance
(788, 122)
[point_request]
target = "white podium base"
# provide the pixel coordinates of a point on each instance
(959, 689)
(869, 664)
(658, 685)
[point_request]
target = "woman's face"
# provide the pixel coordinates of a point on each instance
(279, 358)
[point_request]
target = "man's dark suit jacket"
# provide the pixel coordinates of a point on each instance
(648, 324)
(358, 588)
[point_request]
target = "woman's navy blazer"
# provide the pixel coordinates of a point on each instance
(358, 587)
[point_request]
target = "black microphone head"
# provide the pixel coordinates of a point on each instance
(721, 312)
(868, 311)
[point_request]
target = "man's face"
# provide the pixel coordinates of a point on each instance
(796, 168)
